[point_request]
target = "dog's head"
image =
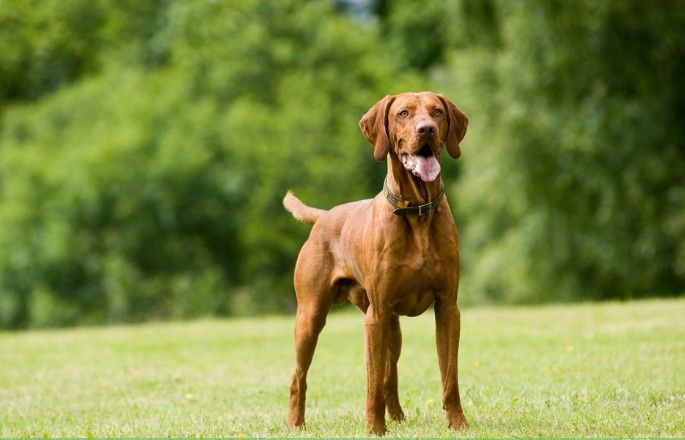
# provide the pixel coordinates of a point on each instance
(415, 126)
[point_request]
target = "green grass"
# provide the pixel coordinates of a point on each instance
(609, 370)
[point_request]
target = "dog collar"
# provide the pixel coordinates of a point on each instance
(402, 207)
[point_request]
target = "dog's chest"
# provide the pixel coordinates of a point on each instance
(413, 283)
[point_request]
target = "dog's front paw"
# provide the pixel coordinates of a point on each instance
(295, 420)
(457, 421)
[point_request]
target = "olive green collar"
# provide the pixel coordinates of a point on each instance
(402, 207)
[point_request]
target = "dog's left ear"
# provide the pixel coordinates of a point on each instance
(456, 128)
(374, 125)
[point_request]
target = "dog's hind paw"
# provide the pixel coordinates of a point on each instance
(397, 416)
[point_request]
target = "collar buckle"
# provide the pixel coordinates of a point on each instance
(424, 209)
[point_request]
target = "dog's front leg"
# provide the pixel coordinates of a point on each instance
(447, 327)
(376, 325)
(392, 399)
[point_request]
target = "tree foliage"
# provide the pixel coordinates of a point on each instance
(575, 188)
(155, 190)
(48, 44)
(145, 147)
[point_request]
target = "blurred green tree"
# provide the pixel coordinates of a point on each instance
(574, 187)
(47, 44)
(145, 147)
(154, 189)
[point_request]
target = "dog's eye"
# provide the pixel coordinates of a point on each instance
(403, 113)
(437, 112)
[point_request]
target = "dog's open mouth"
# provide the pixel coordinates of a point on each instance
(423, 164)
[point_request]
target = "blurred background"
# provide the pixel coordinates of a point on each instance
(145, 146)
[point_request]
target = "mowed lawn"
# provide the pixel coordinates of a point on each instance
(608, 370)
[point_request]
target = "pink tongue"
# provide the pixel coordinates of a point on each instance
(426, 168)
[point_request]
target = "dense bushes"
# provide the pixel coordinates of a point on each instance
(155, 191)
(575, 186)
(145, 149)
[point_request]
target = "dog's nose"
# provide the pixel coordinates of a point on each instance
(426, 128)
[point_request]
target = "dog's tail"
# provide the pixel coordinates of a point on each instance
(301, 212)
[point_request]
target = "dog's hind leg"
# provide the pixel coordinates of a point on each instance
(314, 300)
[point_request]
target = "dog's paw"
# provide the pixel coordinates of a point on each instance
(378, 429)
(296, 421)
(457, 422)
(397, 415)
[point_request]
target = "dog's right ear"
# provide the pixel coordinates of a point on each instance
(374, 125)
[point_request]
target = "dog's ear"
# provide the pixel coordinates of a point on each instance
(456, 128)
(374, 125)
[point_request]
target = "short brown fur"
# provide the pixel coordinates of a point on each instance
(387, 265)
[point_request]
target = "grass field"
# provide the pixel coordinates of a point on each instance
(609, 370)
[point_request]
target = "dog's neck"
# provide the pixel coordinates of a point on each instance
(404, 184)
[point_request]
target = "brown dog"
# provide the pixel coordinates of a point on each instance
(395, 254)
